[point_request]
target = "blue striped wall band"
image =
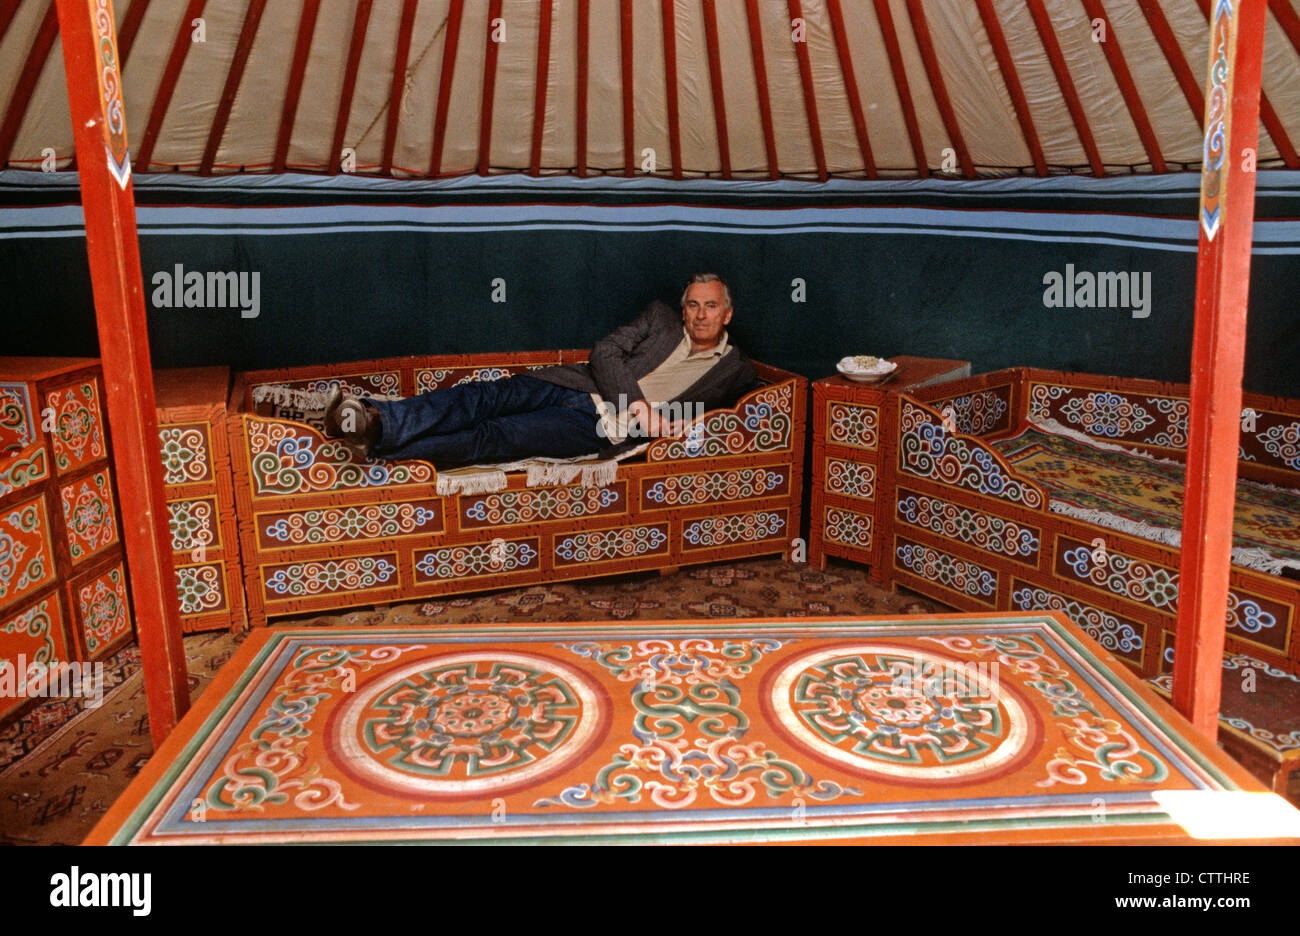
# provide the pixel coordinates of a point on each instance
(1134, 231)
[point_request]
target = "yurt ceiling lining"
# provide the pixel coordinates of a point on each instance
(879, 88)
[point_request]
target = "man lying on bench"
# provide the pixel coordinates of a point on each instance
(683, 362)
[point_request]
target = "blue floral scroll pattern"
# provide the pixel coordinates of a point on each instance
(981, 530)
(1150, 584)
(926, 450)
(1101, 626)
(949, 571)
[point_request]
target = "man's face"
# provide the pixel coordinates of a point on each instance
(705, 313)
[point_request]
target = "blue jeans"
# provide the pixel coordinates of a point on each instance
(484, 421)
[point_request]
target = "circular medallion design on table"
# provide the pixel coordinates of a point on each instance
(469, 724)
(901, 714)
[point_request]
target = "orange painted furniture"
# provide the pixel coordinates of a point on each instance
(846, 468)
(63, 577)
(320, 531)
(195, 453)
(967, 528)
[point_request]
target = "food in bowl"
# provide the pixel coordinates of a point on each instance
(865, 367)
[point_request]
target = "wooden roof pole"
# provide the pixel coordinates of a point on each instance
(1127, 87)
(715, 82)
(489, 90)
(1007, 65)
(360, 23)
(539, 87)
(247, 34)
(1218, 354)
(108, 202)
(764, 96)
(795, 10)
(450, 42)
(584, 58)
(625, 63)
(397, 91)
(851, 85)
(27, 79)
(899, 72)
(293, 88)
(670, 82)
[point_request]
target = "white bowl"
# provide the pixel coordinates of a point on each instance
(882, 370)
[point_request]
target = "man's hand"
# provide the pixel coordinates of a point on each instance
(652, 425)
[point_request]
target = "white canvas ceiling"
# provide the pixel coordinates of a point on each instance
(712, 87)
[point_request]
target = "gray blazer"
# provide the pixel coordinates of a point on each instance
(620, 359)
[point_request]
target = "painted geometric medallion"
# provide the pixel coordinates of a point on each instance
(88, 515)
(901, 714)
(470, 725)
(77, 437)
(105, 610)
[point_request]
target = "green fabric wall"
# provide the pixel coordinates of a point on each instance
(346, 297)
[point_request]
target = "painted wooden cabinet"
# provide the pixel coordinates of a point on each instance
(195, 451)
(847, 515)
(63, 576)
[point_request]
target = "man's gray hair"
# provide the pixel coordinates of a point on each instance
(708, 278)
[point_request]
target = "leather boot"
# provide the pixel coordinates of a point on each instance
(333, 400)
(365, 429)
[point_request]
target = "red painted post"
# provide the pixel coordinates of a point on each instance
(108, 202)
(1218, 354)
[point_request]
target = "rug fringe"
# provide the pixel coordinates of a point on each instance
(539, 472)
(309, 401)
(1056, 428)
(1252, 557)
(482, 482)
(598, 474)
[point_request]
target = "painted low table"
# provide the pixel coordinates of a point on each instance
(953, 728)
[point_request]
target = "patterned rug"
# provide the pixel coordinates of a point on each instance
(966, 727)
(62, 766)
(1144, 491)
